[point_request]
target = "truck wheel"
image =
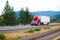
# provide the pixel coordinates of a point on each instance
(36, 25)
(47, 23)
(31, 24)
(41, 24)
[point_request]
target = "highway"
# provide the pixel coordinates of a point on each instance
(25, 26)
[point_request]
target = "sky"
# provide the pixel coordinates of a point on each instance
(33, 5)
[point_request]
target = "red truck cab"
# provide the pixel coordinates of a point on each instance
(35, 21)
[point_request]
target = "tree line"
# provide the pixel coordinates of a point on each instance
(56, 19)
(8, 16)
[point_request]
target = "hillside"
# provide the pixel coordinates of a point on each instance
(43, 13)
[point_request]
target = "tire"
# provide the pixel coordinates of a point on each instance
(47, 23)
(31, 24)
(42, 24)
(34, 25)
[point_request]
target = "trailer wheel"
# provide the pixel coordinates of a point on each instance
(42, 24)
(47, 23)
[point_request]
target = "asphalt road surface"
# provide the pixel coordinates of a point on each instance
(25, 26)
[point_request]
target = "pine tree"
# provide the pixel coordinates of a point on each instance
(9, 14)
(29, 16)
(22, 16)
(1, 21)
(25, 16)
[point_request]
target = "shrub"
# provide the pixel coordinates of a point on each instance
(45, 28)
(37, 29)
(48, 27)
(30, 31)
(2, 36)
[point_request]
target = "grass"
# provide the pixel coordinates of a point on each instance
(37, 29)
(2, 36)
(33, 30)
(46, 28)
(30, 31)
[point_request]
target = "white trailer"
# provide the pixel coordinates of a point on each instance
(44, 19)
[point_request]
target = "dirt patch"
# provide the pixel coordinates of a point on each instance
(57, 38)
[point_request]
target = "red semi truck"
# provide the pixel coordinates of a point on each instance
(38, 20)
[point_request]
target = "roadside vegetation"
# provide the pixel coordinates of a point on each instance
(33, 30)
(23, 33)
(2, 36)
(37, 29)
(30, 31)
(8, 16)
(46, 28)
